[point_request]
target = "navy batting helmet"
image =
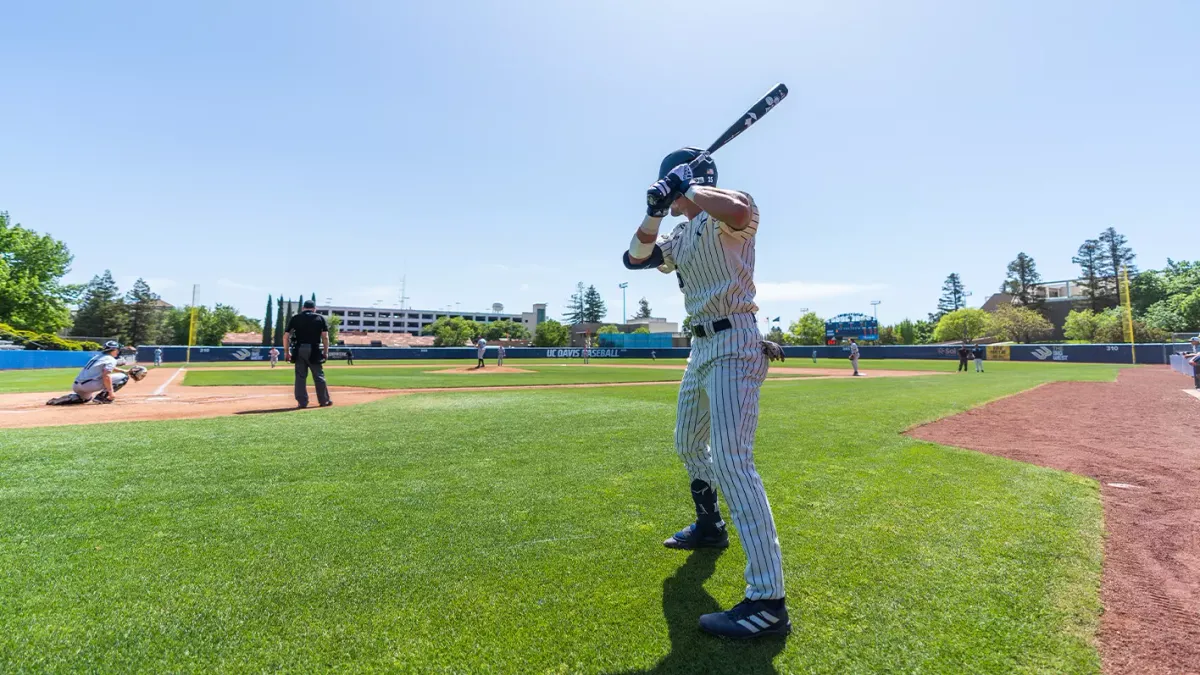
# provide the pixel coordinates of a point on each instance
(704, 174)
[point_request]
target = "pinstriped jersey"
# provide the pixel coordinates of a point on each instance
(716, 270)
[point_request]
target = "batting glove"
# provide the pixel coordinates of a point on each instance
(773, 351)
(679, 178)
(660, 193)
(660, 208)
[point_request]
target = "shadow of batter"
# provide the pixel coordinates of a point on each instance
(694, 652)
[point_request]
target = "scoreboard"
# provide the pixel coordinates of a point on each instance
(858, 326)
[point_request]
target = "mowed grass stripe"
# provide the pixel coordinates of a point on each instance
(519, 532)
(419, 378)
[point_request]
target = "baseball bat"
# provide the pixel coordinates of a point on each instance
(754, 114)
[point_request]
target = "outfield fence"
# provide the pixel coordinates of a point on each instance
(1155, 353)
(20, 359)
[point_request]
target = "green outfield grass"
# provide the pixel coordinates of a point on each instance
(491, 361)
(420, 378)
(37, 379)
(520, 532)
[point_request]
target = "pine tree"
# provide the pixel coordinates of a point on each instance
(278, 337)
(643, 310)
(1114, 255)
(1090, 278)
(575, 307)
(314, 297)
(953, 295)
(145, 315)
(102, 312)
(594, 309)
(1022, 278)
(266, 333)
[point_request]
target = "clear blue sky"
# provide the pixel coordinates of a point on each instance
(499, 152)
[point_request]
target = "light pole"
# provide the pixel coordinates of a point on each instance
(875, 305)
(624, 314)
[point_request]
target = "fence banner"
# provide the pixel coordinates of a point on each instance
(1114, 353)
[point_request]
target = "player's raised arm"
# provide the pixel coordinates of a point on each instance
(733, 208)
(643, 253)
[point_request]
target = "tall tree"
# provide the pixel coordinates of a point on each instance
(1019, 324)
(1088, 257)
(1022, 278)
(551, 333)
(268, 320)
(1114, 255)
(643, 311)
(279, 324)
(961, 325)
(594, 309)
(907, 333)
(145, 315)
(807, 330)
(102, 310)
(215, 323)
(575, 306)
(953, 295)
(335, 325)
(32, 296)
(314, 297)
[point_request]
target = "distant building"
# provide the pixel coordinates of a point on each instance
(390, 320)
(581, 331)
(1055, 299)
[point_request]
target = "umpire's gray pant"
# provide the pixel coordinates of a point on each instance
(307, 358)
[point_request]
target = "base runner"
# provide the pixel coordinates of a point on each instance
(713, 254)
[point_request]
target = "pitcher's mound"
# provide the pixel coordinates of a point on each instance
(472, 370)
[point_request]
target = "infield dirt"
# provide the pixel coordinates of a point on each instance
(162, 396)
(1140, 438)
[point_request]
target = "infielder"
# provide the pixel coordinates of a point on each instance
(499, 355)
(587, 351)
(157, 357)
(481, 348)
(100, 379)
(274, 354)
(854, 355)
(713, 254)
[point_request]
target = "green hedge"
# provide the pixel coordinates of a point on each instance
(45, 340)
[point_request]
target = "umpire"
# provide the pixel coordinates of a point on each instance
(306, 344)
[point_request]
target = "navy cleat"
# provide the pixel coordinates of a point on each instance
(749, 619)
(693, 537)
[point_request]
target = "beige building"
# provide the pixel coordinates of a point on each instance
(412, 321)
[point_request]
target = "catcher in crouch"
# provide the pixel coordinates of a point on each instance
(100, 379)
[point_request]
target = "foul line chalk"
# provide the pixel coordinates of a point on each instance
(164, 385)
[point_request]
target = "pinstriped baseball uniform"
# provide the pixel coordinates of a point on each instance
(718, 399)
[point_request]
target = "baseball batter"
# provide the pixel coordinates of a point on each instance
(100, 379)
(713, 255)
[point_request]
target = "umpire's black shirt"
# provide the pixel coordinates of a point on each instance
(307, 326)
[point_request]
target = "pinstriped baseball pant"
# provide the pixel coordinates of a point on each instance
(714, 435)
